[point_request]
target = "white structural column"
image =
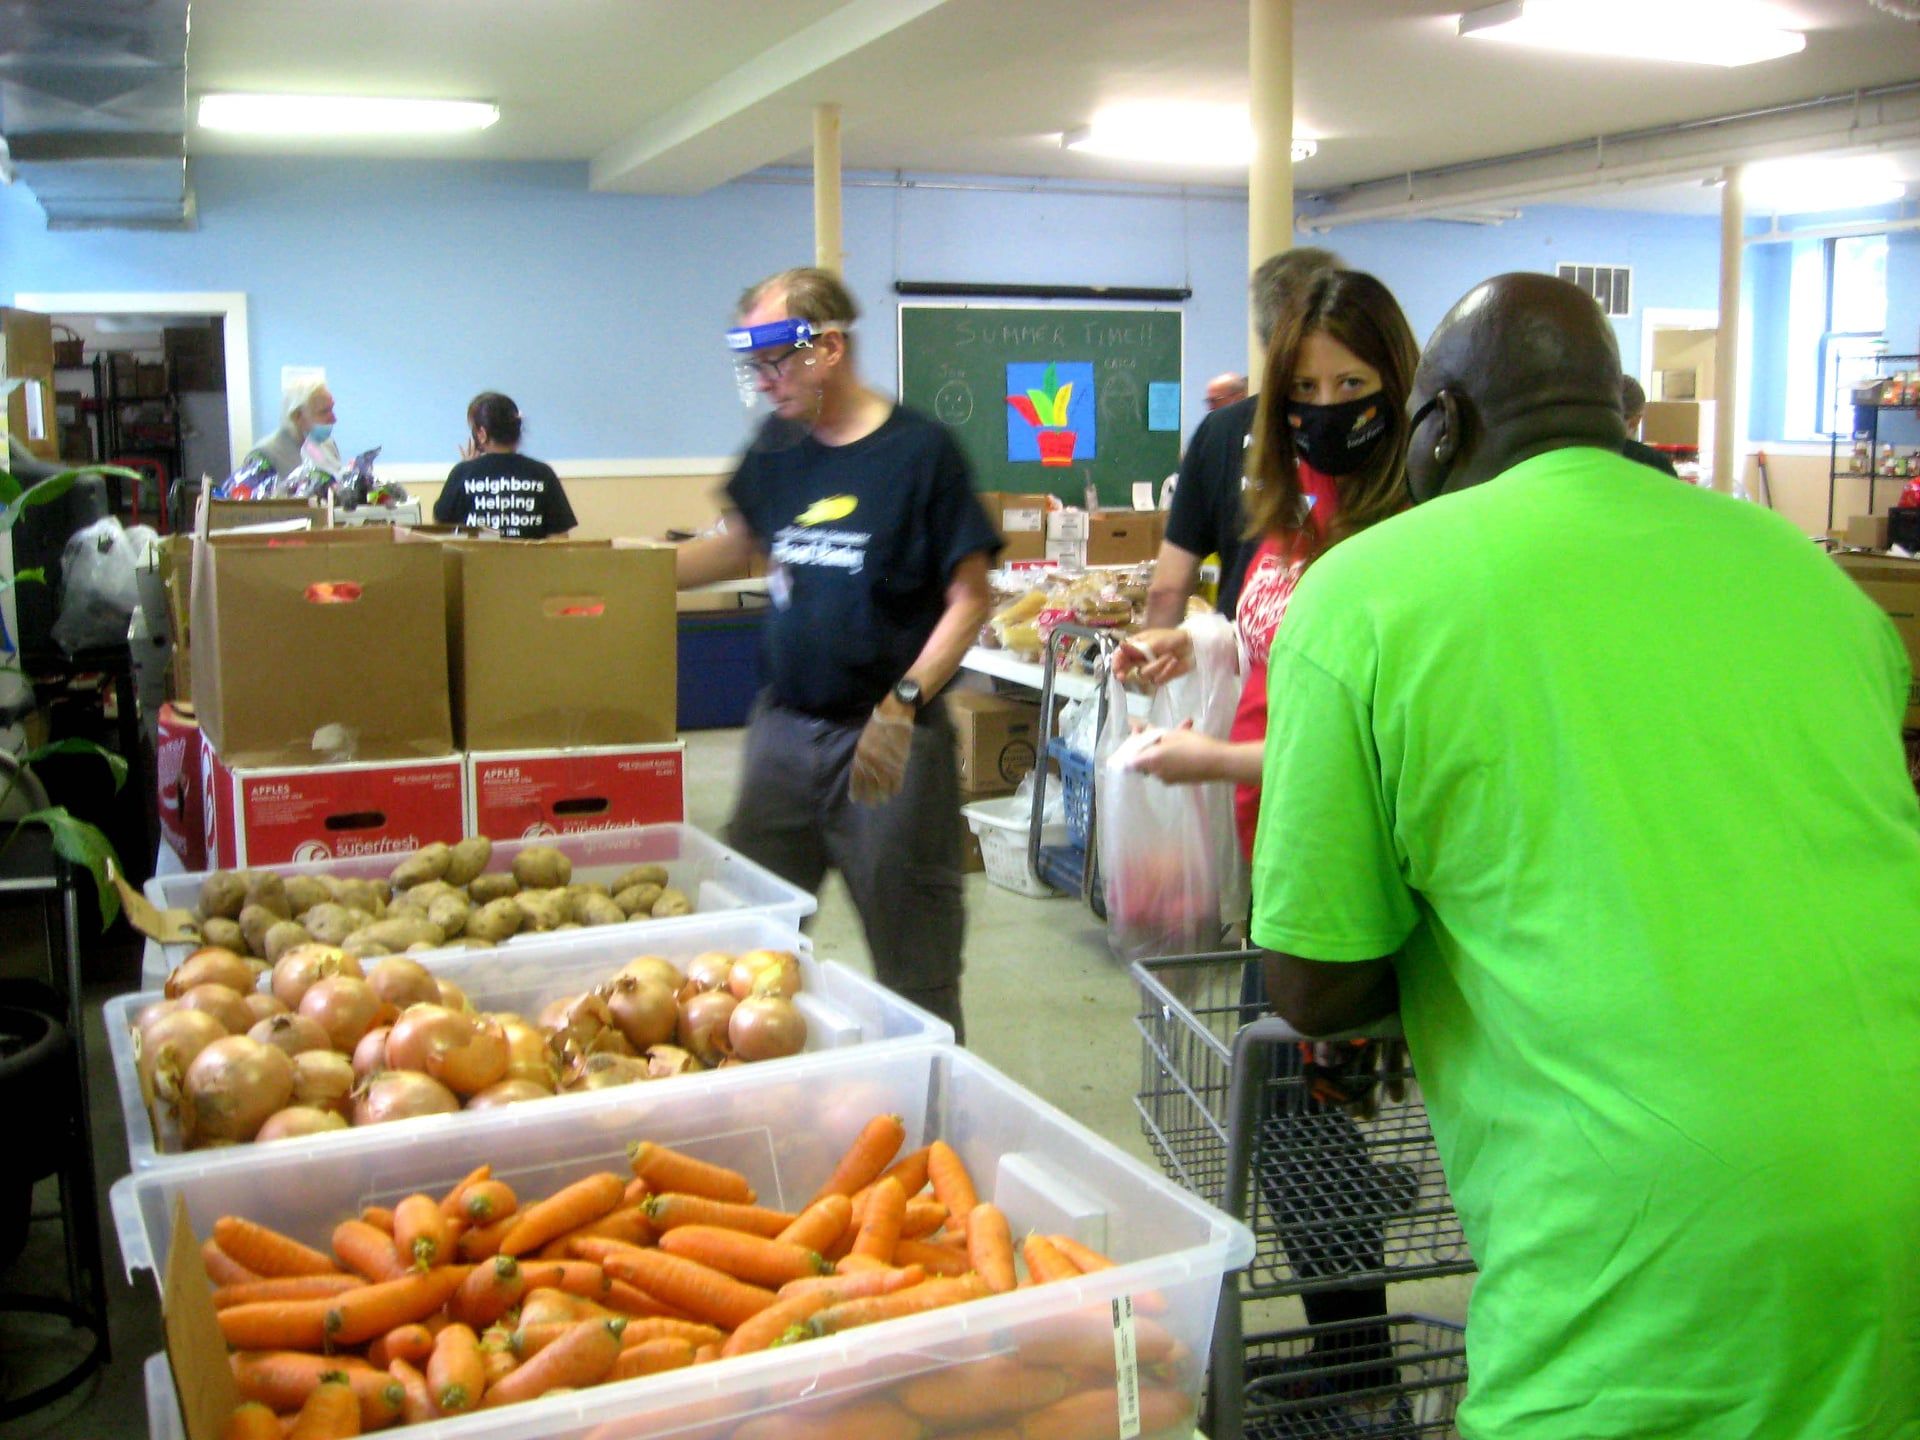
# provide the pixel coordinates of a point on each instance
(1270, 177)
(827, 253)
(1726, 346)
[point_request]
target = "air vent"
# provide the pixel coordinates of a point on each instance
(1611, 285)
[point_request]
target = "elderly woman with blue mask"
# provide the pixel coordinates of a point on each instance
(306, 430)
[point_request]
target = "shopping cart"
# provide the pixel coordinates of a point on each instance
(1334, 1201)
(1075, 866)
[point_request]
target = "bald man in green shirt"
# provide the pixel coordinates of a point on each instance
(1598, 780)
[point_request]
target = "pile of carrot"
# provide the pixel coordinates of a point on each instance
(469, 1300)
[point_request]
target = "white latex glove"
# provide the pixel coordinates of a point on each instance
(880, 759)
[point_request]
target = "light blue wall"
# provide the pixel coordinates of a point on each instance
(417, 284)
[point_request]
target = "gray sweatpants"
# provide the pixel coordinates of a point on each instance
(901, 860)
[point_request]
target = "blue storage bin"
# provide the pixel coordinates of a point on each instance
(719, 667)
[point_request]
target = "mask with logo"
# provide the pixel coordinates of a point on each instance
(1338, 439)
(319, 433)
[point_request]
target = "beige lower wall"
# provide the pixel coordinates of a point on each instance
(623, 506)
(1798, 486)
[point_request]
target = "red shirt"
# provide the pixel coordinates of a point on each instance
(1271, 577)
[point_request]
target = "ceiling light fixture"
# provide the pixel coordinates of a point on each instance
(318, 115)
(1810, 187)
(1700, 32)
(1175, 134)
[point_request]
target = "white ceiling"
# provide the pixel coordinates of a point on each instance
(679, 95)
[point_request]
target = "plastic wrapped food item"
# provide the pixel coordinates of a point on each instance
(254, 480)
(1022, 640)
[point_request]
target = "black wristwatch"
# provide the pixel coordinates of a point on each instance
(907, 692)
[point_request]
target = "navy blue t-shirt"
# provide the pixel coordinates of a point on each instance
(861, 539)
(513, 493)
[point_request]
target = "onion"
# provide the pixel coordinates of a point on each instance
(264, 1004)
(168, 1046)
(703, 1025)
(210, 965)
(222, 1002)
(508, 1092)
(766, 1027)
(652, 967)
(463, 1052)
(300, 968)
(346, 1008)
(603, 1072)
(664, 1061)
(527, 1055)
(402, 982)
(707, 971)
(553, 1015)
(401, 1095)
(765, 972)
(299, 1120)
(452, 996)
(292, 1033)
(583, 1025)
(642, 1010)
(232, 1086)
(150, 1013)
(324, 1080)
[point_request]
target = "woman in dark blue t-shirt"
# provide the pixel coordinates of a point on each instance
(496, 487)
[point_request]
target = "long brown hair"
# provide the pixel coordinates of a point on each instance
(1355, 309)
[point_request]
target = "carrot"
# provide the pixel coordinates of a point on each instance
(651, 1357)
(1087, 1260)
(222, 1268)
(583, 1356)
(330, 1412)
(849, 1285)
(566, 1209)
(871, 1152)
(545, 1306)
(489, 1291)
(412, 1343)
(284, 1287)
(760, 1331)
(661, 1327)
(1095, 1414)
(1083, 1340)
(915, 1300)
(853, 1264)
(283, 1379)
(482, 1242)
(421, 1233)
(706, 1354)
(820, 1224)
(687, 1285)
(456, 1375)
(277, 1324)
(636, 1192)
(670, 1211)
(880, 1226)
(629, 1223)
(862, 1420)
(450, 1202)
(378, 1216)
(922, 1217)
(990, 1247)
(628, 1300)
(939, 1259)
(952, 1186)
(664, 1169)
(486, 1201)
(910, 1170)
(251, 1420)
(359, 1315)
(1044, 1262)
(416, 1401)
(367, 1251)
(982, 1389)
(584, 1278)
(497, 1355)
(745, 1257)
(267, 1252)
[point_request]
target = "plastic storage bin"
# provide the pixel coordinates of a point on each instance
(841, 1006)
(717, 878)
(1002, 827)
(785, 1127)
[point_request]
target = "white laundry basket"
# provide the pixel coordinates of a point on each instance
(1001, 826)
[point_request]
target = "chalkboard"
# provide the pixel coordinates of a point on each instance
(1095, 394)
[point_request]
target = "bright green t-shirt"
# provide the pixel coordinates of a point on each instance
(1612, 764)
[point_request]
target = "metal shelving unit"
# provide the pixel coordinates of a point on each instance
(1871, 421)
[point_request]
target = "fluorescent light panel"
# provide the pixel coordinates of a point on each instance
(1696, 32)
(315, 115)
(1811, 187)
(1175, 134)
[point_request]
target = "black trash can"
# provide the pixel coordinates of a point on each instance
(35, 1067)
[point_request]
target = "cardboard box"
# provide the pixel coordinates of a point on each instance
(1068, 554)
(996, 740)
(1123, 537)
(240, 514)
(269, 815)
(561, 643)
(1067, 525)
(971, 860)
(1869, 532)
(150, 379)
(177, 779)
(320, 645)
(197, 356)
(1679, 384)
(521, 794)
(1894, 585)
(1678, 422)
(26, 342)
(32, 417)
(1020, 521)
(174, 562)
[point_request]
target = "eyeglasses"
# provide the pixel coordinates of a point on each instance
(769, 369)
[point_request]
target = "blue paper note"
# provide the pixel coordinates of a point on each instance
(1163, 405)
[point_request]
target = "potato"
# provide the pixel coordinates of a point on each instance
(222, 894)
(396, 934)
(541, 909)
(330, 922)
(448, 913)
(359, 895)
(361, 948)
(281, 937)
(641, 875)
(304, 892)
(672, 902)
(468, 859)
(595, 909)
(484, 889)
(255, 921)
(495, 921)
(541, 867)
(269, 892)
(638, 899)
(224, 933)
(423, 895)
(429, 862)
(406, 909)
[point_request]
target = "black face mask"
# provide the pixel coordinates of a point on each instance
(1338, 439)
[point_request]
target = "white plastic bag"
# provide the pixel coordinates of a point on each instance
(98, 587)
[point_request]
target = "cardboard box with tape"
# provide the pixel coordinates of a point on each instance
(528, 793)
(1021, 521)
(997, 739)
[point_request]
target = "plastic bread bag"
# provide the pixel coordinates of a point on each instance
(99, 587)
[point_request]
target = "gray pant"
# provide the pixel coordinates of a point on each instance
(901, 860)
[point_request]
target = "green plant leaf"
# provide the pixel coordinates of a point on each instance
(1043, 403)
(82, 844)
(32, 575)
(116, 763)
(52, 488)
(1050, 380)
(9, 488)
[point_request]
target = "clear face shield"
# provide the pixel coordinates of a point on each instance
(769, 362)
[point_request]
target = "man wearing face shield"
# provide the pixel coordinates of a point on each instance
(1599, 779)
(878, 556)
(306, 429)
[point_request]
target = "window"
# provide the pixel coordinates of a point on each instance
(1610, 285)
(1854, 330)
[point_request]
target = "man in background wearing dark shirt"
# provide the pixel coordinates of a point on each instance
(1633, 409)
(1206, 517)
(879, 554)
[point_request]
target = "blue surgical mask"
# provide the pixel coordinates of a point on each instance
(319, 433)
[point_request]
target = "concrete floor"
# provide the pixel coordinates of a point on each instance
(1079, 1050)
